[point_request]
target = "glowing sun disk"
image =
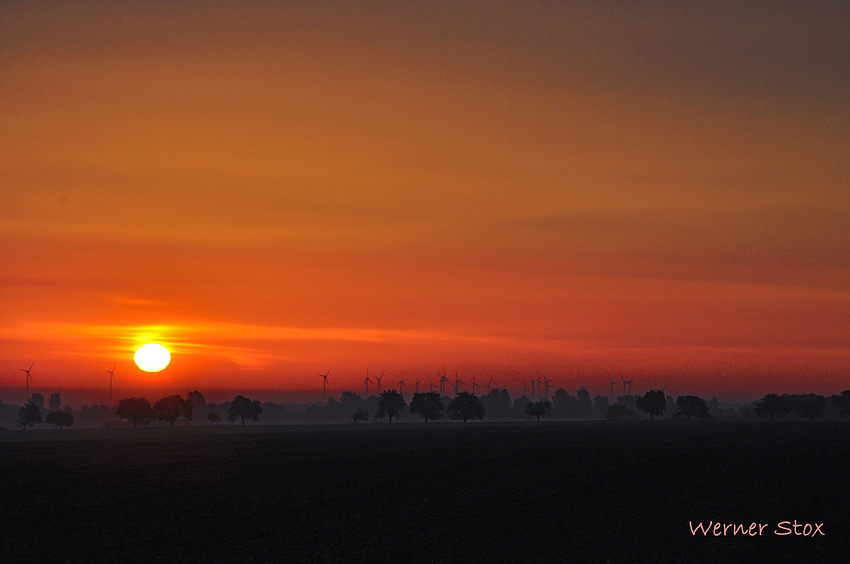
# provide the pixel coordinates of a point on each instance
(152, 357)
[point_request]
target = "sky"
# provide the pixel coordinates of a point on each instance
(657, 190)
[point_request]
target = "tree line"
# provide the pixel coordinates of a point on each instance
(428, 406)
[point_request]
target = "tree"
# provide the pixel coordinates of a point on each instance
(771, 404)
(390, 404)
(691, 406)
(60, 418)
(465, 406)
(539, 409)
(518, 407)
(55, 401)
(137, 410)
(497, 403)
(188, 410)
(618, 412)
(360, 414)
(600, 403)
(213, 417)
(652, 402)
(842, 402)
(427, 405)
(171, 408)
(29, 415)
(199, 402)
(37, 400)
(244, 408)
(810, 405)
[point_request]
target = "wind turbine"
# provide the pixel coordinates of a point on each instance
(546, 382)
(378, 378)
(367, 380)
(417, 386)
(29, 378)
(401, 384)
(539, 381)
(111, 379)
(325, 383)
(488, 384)
(612, 387)
(443, 381)
(627, 383)
(458, 382)
(474, 384)
(525, 389)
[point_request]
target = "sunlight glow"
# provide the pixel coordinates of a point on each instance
(152, 357)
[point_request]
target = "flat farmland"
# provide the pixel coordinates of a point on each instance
(442, 492)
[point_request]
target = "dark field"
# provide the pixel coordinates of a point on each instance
(516, 492)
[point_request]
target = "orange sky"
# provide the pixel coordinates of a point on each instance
(658, 189)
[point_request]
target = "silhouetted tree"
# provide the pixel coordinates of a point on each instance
(199, 402)
(771, 404)
(567, 406)
(600, 404)
(584, 405)
(497, 403)
(714, 405)
(842, 402)
(810, 405)
(538, 409)
(137, 410)
(213, 417)
(360, 414)
(55, 401)
(390, 404)
(275, 412)
(518, 407)
(37, 400)
(29, 415)
(652, 402)
(350, 398)
(619, 412)
(170, 409)
(244, 408)
(465, 406)
(60, 418)
(628, 401)
(691, 406)
(427, 405)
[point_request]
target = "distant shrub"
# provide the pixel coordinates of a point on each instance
(619, 412)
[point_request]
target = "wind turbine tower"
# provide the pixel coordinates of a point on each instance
(325, 383)
(29, 378)
(443, 381)
(367, 383)
(111, 379)
(458, 382)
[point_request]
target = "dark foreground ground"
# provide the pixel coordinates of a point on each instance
(524, 492)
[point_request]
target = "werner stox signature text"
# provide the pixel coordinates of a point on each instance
(756, 529)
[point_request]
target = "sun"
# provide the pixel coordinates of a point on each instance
(152, 357)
